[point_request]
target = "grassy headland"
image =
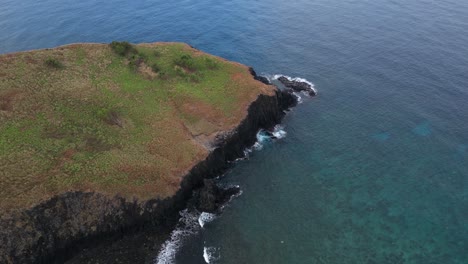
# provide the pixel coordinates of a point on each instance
(117, 119)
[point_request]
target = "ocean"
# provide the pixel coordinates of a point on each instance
(372, 170)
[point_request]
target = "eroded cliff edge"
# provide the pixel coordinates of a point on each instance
(49, 231)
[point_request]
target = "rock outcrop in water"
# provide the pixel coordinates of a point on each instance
(297, 86)
(54, 230)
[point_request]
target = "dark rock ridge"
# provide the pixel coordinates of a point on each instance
(55, 230)
(211, 197)
(297, 85)
(258, 77)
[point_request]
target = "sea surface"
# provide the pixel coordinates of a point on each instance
(372, 170)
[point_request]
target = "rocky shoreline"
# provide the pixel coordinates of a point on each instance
(55, 230)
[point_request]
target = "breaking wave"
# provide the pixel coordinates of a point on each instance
(188, 225)
(278, 132)
(263, 137)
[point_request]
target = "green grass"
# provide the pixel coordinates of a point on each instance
(115, 118)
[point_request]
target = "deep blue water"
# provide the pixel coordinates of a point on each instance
(373, 170)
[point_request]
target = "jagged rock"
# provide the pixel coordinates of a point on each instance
(288, 99)
(210, 197)
(259, 78)
(297, 86)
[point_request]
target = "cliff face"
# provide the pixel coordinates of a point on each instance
(52, 230)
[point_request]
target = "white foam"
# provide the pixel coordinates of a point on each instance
(188, 225)
(247, 152)
(277, 76)
(279, 132)
(206, 255)
(262, 137)
(257, 146)
(210, 254)
(299, 98)
(205, 218)
(297, 79)
(246, 155)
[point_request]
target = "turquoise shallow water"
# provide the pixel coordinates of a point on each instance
(373, 170)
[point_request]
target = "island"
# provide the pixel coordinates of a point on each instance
(97, 139)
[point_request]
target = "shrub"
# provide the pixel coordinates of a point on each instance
(163, 75)
(123, 48)
(54, 63)
(185, 61)
(136, 61)
(211, 64)
(195, 78)
(155, 68)
(110, 116)
(180, 71)
(157, 53)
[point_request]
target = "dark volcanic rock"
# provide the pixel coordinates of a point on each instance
(263, 79)
(259, 78)
(297, 85)
(289, 99)
(210, 197)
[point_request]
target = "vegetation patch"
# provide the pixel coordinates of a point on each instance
(123, 48)
(54, 63)
(186, 61)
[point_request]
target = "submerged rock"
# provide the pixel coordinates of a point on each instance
(297, 86)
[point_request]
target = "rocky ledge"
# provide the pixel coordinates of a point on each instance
(55, 230)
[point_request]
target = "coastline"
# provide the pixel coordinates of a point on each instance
(57, 229)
